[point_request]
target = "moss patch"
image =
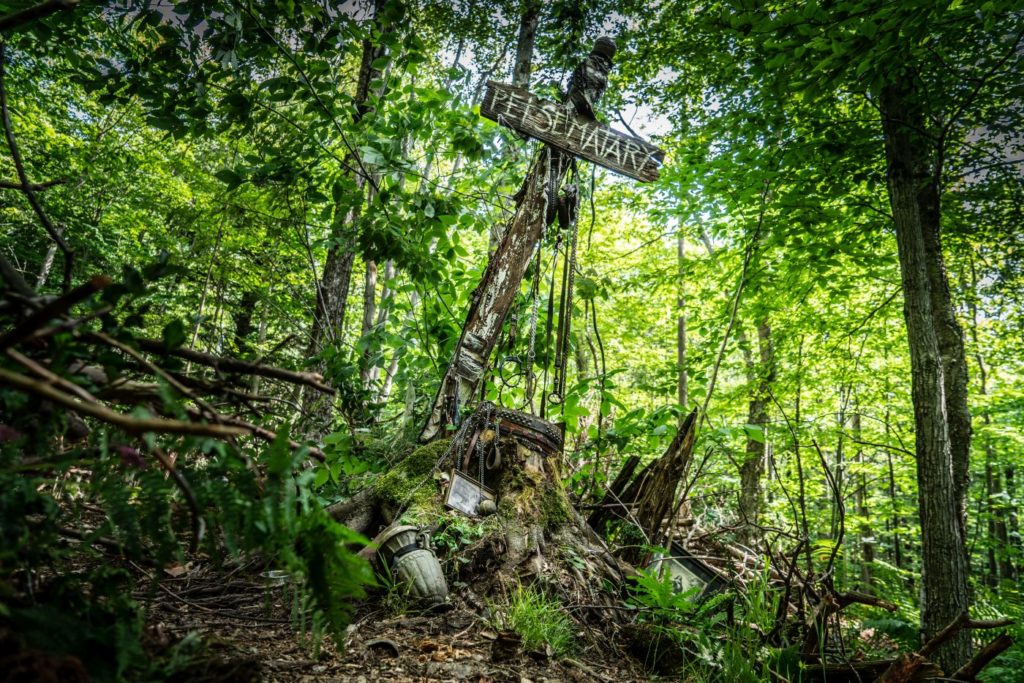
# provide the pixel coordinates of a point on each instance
(406, 483)
(553, 506)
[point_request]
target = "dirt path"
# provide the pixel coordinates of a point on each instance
(250, 635)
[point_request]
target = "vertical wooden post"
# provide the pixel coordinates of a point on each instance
(497, 290)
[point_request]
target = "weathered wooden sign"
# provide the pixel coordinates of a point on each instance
(561, 127)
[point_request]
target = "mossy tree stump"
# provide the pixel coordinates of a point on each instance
(535, 533)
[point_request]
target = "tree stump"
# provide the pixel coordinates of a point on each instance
(534, 534)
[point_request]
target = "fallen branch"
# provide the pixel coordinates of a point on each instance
(907, 667)
(971, 669)
(159, 372)
(54, 309)
(220, 363)
(127, 423)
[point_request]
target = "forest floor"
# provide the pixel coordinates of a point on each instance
(248, 634)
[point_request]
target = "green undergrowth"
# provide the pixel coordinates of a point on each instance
(539, 620)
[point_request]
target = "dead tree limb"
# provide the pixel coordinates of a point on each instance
(220, 363)
(907, 667)
(54, 309)
(126, 422)
(971, 669)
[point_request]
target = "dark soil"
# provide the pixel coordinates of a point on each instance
(249, 633)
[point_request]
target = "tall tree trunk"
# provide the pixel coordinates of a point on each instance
(752, 468)
(682, 377)
(369, 319)
(333, 288)
(944, 591)
(243, 321)
(867, 543)
(521, 68)
(950, 339)
(524, 44)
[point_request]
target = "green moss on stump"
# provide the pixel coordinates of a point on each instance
(553, 507)
(407, 483)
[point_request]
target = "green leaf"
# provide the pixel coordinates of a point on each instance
(229, 177)
(174, 334)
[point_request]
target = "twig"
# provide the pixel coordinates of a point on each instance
(53, 309)
(126, 422)
(108, 543)
(240, 366)
(198, 523)
(19, 166)
(51, 377)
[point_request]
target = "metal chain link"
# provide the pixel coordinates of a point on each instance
(570, 285)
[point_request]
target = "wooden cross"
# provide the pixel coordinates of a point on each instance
(569, 130)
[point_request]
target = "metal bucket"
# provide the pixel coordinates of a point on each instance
(406, 550)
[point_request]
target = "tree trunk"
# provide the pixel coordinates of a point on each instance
(521, 68)
(332, 291)
(944, 589)
(950, 339)
(494, 295)
(369, 319)
(682, 378)
(867, 545)
(524, 44)
(243, 321)
(752, 468)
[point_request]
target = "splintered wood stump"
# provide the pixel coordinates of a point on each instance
(647, 502)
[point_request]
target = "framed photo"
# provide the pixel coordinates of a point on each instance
(466, 493)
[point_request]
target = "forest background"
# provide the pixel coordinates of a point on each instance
(310, 185)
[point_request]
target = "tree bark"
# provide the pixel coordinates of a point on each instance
(521, 68)
(950, 339)
(333, 289)
(944, 590)
(524, 44)
(494, 295)
(243, 321)
(369, 318)
(683, 389)
(752, 468)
